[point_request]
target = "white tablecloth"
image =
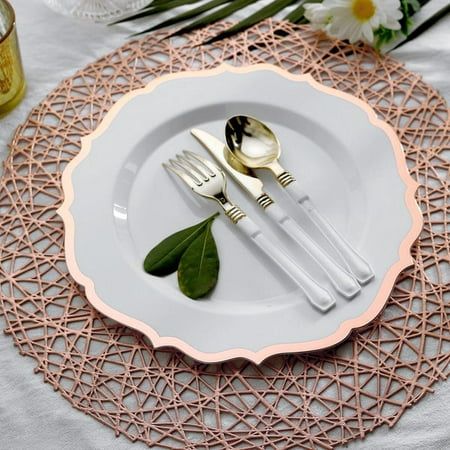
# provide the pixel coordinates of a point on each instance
(32, 416)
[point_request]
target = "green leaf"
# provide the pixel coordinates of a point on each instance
(170, 4)
(163, 259)
(220, 14)
(408, 9)
(166, 2)
(298, 13)
(405, 21)
(383, 36)
(414, 4)
(267, 11)
(153, 9)
(144, 12)
(425, 25)
(199, 266)
(186, 15)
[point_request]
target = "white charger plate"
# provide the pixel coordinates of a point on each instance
(120, 202)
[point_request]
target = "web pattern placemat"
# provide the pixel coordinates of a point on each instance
(163, 397)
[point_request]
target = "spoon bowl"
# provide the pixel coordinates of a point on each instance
(237, 165)
(252, 142)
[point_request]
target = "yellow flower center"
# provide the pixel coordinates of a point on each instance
(363, 10)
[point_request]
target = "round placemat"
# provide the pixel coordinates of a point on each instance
(163, 397)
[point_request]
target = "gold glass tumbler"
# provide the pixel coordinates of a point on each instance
(12, 80)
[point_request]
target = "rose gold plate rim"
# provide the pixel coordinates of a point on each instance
(257, 357)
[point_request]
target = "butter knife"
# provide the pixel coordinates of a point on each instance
(342, 280)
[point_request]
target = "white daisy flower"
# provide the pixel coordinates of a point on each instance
(354, 20)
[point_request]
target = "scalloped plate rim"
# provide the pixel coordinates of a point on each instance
(346, 327)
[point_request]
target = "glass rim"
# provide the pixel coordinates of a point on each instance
(13, 20)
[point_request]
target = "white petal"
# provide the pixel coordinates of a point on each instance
(355, 36)
(375, 22)
(393, 25)
(316, 13)
(367, 32)
(387, 13)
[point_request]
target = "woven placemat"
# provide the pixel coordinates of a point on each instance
(163, 397)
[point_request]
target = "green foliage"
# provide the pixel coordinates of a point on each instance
(206, 13)
(383, 36)
(194, 12)
(268, 11)
(407, 8)
(164, 258)
(215, 16)
(297, 15)
(426, 25)
(199, 266)
(193, 253)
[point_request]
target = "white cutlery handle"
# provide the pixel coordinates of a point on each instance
(317, 295)
(340, 278)
(355, 262)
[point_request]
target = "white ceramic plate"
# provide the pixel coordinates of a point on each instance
(120, 202)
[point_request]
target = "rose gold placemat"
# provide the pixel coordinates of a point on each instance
(162, 397)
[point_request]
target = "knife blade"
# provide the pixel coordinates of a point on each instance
(242, 175)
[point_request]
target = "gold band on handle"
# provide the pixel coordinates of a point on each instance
(264, 201)
(285, 179)
(235, 214)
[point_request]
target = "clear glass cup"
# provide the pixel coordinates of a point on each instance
(96, 10)
(12, 79)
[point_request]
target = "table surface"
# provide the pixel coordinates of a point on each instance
(32, 415)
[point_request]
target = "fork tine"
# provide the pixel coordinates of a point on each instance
(210, 167)
(179, 170)
(190, 166)
(181, 165)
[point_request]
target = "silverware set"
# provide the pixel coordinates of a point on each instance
(250, 145)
